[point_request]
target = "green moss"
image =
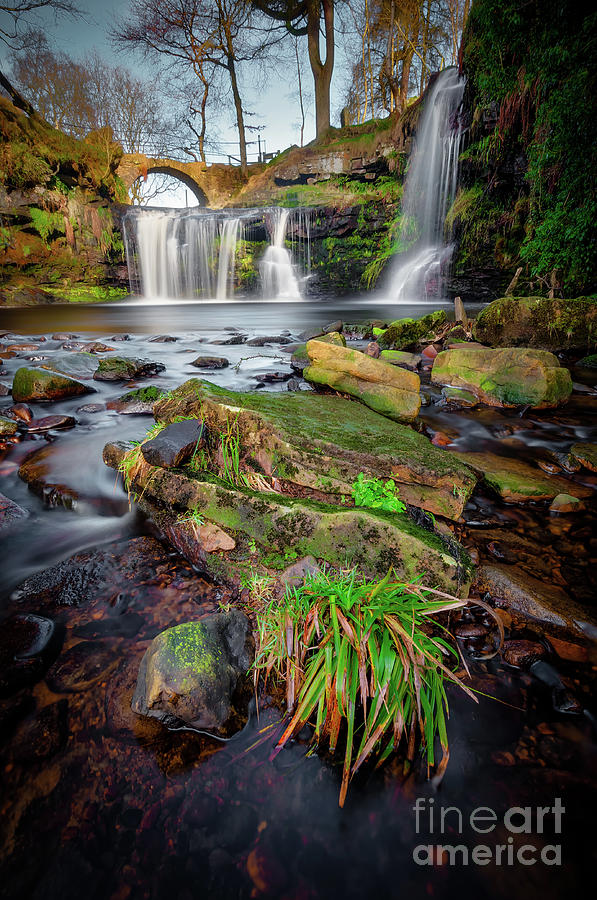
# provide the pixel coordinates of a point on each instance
(550, 324)
(402, 333)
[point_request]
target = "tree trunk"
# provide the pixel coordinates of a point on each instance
(240, 122)
(322, 71)
(18, 100)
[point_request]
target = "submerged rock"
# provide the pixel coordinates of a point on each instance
(508, 377)
(323, 442)
(189, 673)
(388, 390)
(403, 333)
(122, 368)
(549, 324)
(174, 444)
(37, 471)
(42, 384)
(27, 645)
(10, 514)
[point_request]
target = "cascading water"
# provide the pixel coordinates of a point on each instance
(430, 187)
(194, 254)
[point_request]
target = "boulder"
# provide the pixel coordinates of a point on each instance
(401, 358)
(41, 384)
(388, 390)
(210, 362)
(586, 455)
(518, 482)
(509, 377)
(75, 365)
(300, 358)
(138, 402)
(403, 333)
(322, 442)
(189, 673)
(174, 444)
(122, 368)
(548, 324)
(7, 426)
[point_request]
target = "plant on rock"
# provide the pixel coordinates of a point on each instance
(377, 494)
(362, 653)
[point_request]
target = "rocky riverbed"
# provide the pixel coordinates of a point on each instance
(500, 505)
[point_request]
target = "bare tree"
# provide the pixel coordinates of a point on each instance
(22, 15)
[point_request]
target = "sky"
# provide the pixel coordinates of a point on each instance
(273, 107)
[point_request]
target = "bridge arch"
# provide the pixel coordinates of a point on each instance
(183, 177)
(213, 185)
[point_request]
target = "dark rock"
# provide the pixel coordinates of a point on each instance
(174, 444)
(36, 426)
(4, 390)
(163, 339)
(41, 384)
(10, 514)
(272, 377)
(80, 667)
(333, 326)
(28, 643)
(137, 403)
(120, 337)
(43, 735)
(190, 672)
(20, 411)
(310, 333)
(76, 365)
(37, 471)
(233, 340)
(63, 336)
(262, 340)
(210, 362)
(120, 368)
(522, 653)
(372, 349)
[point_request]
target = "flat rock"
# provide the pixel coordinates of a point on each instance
(41, 384)
(323, 442)
(97, 347)
(163, 339)
(262, 340)
(516, 481)
(138, 402)
(539, 604)
(120, 368)
(10, 514)
(75, 365)
(210, 362)
(175, 444)
(233, 340)
(508, 377)
(46, 423)
(387, 389)
(586, 455)
(189, 673)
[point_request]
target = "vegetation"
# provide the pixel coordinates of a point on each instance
(377, 494)
(361, 654)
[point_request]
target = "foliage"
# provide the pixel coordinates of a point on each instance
(191, 517)
(46, 223)
(230, 452)
(361, 653)
(377, 494)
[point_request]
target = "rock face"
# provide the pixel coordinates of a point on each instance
(508, 377)
(402, 333)
(41, 384)
(388, 390)
(174, 444)
(323, 442)
(121, 368)
(538, 322)
(189, 673)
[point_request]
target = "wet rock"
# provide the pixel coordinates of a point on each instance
(37, 472)
(372, 350)
(22, 348)
(272, 377)
(403, 333)
(470, 630)
(538, 604)
(175, 444)
(428, 354)
(97, 347)
(387, 389)
(522, 653)
(137, 403)
(210, 362)
(28, 643)
(91, 408)
(75, 365)
(565, 503)
(41, 384)
(190, 672)
(459, 398)
(4, 390)
(333, 327)
(163, 339)
(7, 426)
(20, 411)
(588, 362)
(516, 481)
(508, 377)
(263, 340)
(233, 340)
(10, 514)
(46, 423)
(121, 368)
(120, 337)
(80, 667)
(549, 324)
(43, 735)
(63, 336)
(401, 358)
(586, 455)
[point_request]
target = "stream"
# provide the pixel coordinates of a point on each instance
(100, 802)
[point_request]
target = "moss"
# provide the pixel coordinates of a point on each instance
(402, 333)
(143, 395)
(188, 646)
(90, 293)
(550, 324)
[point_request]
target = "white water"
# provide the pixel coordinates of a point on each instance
(194, 254)
(429, 189)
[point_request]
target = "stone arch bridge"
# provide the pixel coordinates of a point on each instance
(212, 185)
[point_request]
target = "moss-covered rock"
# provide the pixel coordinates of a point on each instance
(401, 358)
(372, 540)
(586, 455)
(518, 482)
(388, 390)
(122, 368)
(508, 377)
(300, 358)
(7, 426)
(548, 324)
(322, 442)
(588, 362)
(189, 673)
(403, 333)
(41, 384)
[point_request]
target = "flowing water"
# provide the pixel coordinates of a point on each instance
(429, 190)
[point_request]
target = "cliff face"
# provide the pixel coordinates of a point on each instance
(527, 196)
(59, 207)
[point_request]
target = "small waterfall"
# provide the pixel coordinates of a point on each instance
(195, 254)
(277, 274)
(429, 189)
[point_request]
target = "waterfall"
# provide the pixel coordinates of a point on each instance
(277, 274)
(429, 189)
(197, 253)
